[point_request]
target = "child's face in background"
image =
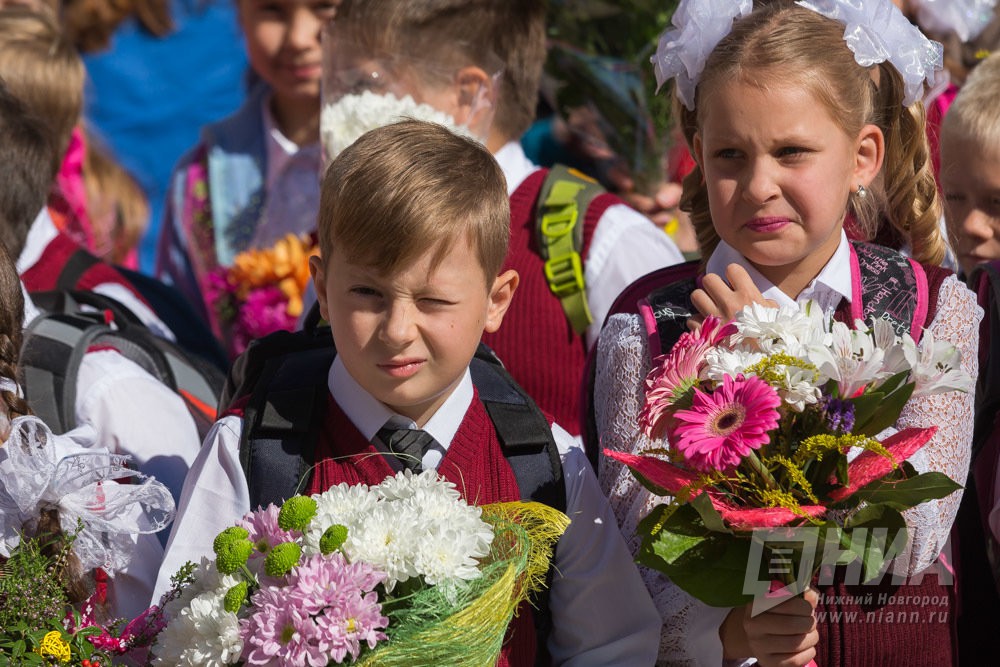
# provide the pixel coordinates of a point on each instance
(970, 182)
(283, 42)
(407, 338)
(779, 172)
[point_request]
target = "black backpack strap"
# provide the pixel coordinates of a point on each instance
(670, 307)
(51, 354)
(523, 430)
(74, 268)
(283, 378)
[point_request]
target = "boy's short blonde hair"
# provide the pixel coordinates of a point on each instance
(409, 188)
(43, 69)
(975, 113)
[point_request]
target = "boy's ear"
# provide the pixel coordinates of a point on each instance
(500, 297)
(476, 98)
(318, 272)
(869, 155)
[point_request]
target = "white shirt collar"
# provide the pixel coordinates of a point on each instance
(43, 231)
(515, 165)
(280, 149)
(369, 415)
(832, 284)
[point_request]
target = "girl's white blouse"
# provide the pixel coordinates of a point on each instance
(690, 633)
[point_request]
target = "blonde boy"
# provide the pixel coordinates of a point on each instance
(413, 230)
(970, 167)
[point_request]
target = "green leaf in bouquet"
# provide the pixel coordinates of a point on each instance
(894, 382)
(887, 412)
(709, 565)
(865, 407)
(902, 494)
(710, 517)
(887, 532)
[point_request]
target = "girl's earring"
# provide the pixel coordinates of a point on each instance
(862, 192)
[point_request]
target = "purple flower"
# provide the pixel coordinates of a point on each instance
(839, 415)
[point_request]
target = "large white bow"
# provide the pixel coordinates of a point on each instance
(99, 499)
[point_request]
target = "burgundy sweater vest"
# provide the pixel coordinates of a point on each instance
(474, 462)
(888, 625)
(44, 274)
(536, 342)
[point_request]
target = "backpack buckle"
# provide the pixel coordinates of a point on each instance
(564, 274)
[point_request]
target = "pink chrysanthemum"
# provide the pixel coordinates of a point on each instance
(264, 531)
(674, 373)
(325, 611)
(722, 427)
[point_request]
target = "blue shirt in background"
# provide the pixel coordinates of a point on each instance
(148, 97)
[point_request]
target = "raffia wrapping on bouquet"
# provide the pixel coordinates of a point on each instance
(462, 631)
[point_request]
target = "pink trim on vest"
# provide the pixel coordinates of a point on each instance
(649, 324)
(920, 312)
(857, 307)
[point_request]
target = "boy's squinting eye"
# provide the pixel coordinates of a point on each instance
(361, 290)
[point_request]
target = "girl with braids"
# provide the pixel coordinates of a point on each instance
(804, 118)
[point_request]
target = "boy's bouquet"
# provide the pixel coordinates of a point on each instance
(262, 291)
(761, 415)
(401, 573)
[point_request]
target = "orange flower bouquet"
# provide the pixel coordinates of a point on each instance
(262, 291)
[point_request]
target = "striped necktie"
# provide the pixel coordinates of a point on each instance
(408, 445)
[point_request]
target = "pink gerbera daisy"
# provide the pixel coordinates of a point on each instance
(722, 427)
(674, 373)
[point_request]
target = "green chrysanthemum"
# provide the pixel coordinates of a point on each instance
(235, 597)
(296, 513)
(333, 538)
(233, 556)
(282, 559)
(229, 536)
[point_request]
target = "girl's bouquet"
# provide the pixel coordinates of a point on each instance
(401, 573)
(262, 291)
(761, 415)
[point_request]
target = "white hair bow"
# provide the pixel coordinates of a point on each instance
(699, 26)
(876, 31)
(89, 487)
(966, 18)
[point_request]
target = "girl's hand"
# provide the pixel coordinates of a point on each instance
(783, 636)
(726, 298)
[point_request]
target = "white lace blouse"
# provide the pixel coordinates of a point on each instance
(690, 633)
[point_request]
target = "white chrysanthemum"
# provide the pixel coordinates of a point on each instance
(787, 329)
(343, 505)
(720, 362)
(405, 484)
(200, 632)
(341, 123)
(387, 539)
(852, 359)
(937, 367)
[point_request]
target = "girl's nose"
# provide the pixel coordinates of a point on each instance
(759, 184)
